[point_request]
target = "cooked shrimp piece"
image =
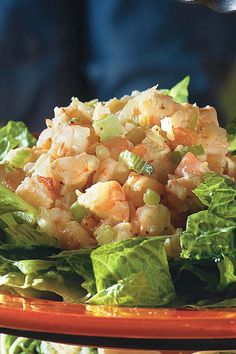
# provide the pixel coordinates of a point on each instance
(207, 115)
(74, 170)
(136, 185)
(191, 165)
(70, 140)
(74, 236)
(152, 220)
(182, 187)
(124, 231)
(116, 145)
(150, 151)
(115, 105)
(42, 166)
(153, 106)
(70, 234)
(11, 178)
(66, 197)
(106, 200)
(37, 191)
(109, 170)
(184, 136)
(213, 139)
(45, 138)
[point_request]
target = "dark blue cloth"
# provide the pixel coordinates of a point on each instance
(51, 50)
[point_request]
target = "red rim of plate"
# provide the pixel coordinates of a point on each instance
(104, 321)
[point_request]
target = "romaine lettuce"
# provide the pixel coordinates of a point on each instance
(12, 135)
(179, 92)
(134, 272)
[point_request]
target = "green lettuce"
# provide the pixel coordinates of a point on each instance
(132, 273)
(19, 345)
(81, 263)
(12, 203)
(218, 193)
(212, 233)
(231, 130)
(179, 92)
(13, 135)
(40, 279)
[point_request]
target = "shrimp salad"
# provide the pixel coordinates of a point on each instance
(129, 202)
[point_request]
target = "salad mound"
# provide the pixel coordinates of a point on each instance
(129, 202)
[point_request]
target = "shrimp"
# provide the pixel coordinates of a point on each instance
(150, 151)
(124, 231)
(153, 106)
(152, 220)
(184, 136)
(109, 170)
(107, 201)
(190, 165)
(116, 145)
(37, 191)
(57, 222)
(70, 141)
(74, 170)
(11, 178)
(136, 185)
(45, 139)
(182, 187)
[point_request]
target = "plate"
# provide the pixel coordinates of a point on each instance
(96, 325)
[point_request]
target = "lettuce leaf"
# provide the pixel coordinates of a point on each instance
(11, 202)
(41, 279)
(132, 273)
(212, 233)
(179, 92)
(207, 236)
(218, 193)
(12, 135)
(231, 130)
(19, 345)
(81, 263)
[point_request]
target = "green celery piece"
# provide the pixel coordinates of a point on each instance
(11, 202)
(151, 197)
(108, 127)
(176, 156)
(135, 163)
(12, 135)
(78, 211)
(139, 264)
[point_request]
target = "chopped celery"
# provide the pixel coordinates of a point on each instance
(78, 211)
(177, 155)
(108, 127)
(134, 162)
(18, 158)
(193, 121)
(151, 197)
(105, 234)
